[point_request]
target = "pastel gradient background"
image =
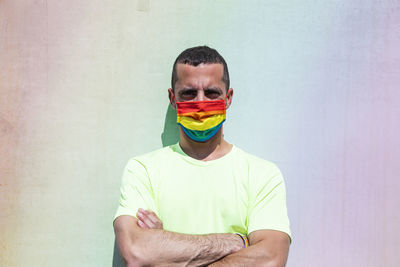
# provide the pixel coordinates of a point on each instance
(83, 87)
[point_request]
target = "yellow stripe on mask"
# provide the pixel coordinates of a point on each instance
(203, 125)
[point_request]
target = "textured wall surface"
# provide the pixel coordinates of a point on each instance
(83, 87)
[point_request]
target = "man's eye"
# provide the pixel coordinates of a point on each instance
(212, 94)
(189, 93)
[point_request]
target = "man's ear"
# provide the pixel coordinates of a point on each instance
(229, 96)
(171, 98)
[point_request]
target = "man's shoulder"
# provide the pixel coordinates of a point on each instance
(254, 161)
(261, 171)
(154, 156)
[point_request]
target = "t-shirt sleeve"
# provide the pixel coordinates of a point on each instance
(268, 202)
(136, 190)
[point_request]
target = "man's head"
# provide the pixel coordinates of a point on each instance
(200, 55)
(200, 93)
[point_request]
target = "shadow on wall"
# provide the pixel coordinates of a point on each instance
(170, 134)
(117, 259)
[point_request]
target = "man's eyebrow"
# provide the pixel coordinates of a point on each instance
(213, 89)
(185, 89)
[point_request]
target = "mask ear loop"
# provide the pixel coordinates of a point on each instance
(226, 96)
(173, 95)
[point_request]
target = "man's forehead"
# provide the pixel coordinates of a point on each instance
(210, 70)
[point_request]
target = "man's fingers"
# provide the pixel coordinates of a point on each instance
(142, 225)
(153, 217)
(144, 219)
(149, 218)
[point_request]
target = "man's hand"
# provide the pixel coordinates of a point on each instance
(267, 248)
(147, 219)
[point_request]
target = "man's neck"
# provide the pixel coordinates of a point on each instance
(212, 149)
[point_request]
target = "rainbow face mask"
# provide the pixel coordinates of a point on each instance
(201, 120)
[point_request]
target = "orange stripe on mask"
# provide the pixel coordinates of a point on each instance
(202, 115)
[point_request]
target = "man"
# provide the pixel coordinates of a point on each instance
(202, 201)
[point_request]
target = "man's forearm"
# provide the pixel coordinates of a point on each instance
(254, 255)
(160, 247)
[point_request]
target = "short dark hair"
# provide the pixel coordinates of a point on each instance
(197, 55)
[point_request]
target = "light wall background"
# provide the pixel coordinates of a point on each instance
(83, 87)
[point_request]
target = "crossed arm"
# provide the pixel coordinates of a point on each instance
(143, 242)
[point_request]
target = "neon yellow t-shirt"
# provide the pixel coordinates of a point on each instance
(237, 193)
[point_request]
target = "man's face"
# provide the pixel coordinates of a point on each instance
(198, 83)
